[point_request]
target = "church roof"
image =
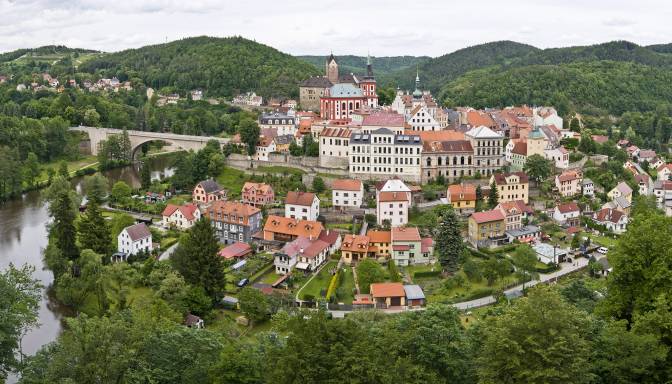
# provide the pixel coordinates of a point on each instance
(345, 90)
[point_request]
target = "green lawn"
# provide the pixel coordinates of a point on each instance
(345, 226)
(603, 240)
(347, 287)
(319, 282)
(73, 166)
(232, 179)
(269, 277)
(180, 199)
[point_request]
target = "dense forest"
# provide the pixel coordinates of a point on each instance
(357, 64)
(219, 66)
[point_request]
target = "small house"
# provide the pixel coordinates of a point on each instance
(134, 239)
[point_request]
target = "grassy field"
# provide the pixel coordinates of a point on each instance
(233, 180)
(319, 282)
(280, 169)
(603, 240)
(73, 166)
(347, 287)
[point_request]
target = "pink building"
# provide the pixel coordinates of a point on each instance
(257, 194)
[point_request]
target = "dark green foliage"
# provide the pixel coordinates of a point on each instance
(449, 242)
(222, 66)
(145, 174)
(254, 305)
(197, 260)
(318, 185)
(357, 64)
(94, 231)
(538, 168)
(369, 272)
(62, 208)
(493, 195)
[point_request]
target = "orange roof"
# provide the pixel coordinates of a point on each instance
(336, 132)
(300, 198)
(569, 176)
(257, 187)
(462, 192)
(379, 236)
(187, 210)
(445, 135)
(387, 290)
(487, 216)
(293, 227)
(478, 118)
(355, 243)
(347, 185)
(405, 234)
(392, 196)
(520, 148)
(231, 209)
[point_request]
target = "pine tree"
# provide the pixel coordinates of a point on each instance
(197, 260)
(63, 228)
(493, 196)
(449, 242)
(94, 232)
(479, 198)
(125, 147)
(145, 174)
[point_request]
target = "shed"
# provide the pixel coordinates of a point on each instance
(415, 297)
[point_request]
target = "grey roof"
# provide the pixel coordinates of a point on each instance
(413, 292)
(622, 202)
(230, 300)
(316, 82)
(605, 263)
(586, 181)
(270, 117)
(284, 139)
(360, 138)
(210, 186)
(382, 131)
(138, 231)
(345, 90)
(527, 230)
(407, 139)
(624, 188)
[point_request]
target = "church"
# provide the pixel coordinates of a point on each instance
(338, 96)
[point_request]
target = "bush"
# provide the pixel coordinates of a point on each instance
(547, 269)
(473, 271)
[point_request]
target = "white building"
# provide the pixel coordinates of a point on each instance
(285, 124)
(421, 120)
(392, 207)
(334, 142)
(488, 149)
(546, 116)
(587, 187)
(615, 220)
(559, 156)
(134, 239)
(180, 216)
(265, 147)
(347, 193)
(302, 205)
(382, 155)
(568, 213)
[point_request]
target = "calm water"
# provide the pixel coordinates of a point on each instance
(23, 237)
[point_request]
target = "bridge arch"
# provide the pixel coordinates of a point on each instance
(137, 144)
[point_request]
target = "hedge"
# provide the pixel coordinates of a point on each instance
(548, 269)
(421, 274)
(332, 284)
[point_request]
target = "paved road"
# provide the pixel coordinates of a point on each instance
(166, 254)
(565, 268)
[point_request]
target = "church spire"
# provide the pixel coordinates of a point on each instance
(417, 93)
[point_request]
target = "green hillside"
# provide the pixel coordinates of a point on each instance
(357, 64)
(436, 72)
(221, 66)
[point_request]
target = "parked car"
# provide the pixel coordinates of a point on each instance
(602, 250)
(243, 283)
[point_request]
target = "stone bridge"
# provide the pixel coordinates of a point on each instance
(186, 142)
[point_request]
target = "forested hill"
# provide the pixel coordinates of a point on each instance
(357, 64)
(436, 72)
(51, 51)
(220, 66)
(611, 78)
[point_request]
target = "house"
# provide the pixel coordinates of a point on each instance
(606, 267)
(487, 228)
(302, 205)
(568, 183)
(347, 193)
(619, 204)
(526, 234)
(334, 146)
(386, 295)
(356, 247)
(302, 253)
(462, 197)
(257, 194)
(664, 172)
(550, 254)
(587, 188)
(134, 239)
(237, 250)
(234, 221)
(285, 229)
(546, 116)
(415, 297)
(559, 156)
(633, 151)
(615, 221)
(282, 143)
(180, 216)
(518, 156)
(193, 321)
(567, 214)
(623, 190)
(646, 155)
(208, 191)
(265, 147)
(488, 149)
(427, 248)
(420, 119)
(381, 242)
(644, 184)
(285, 124)
(512, 186)
(392, 207)
(406, 246)
(662, 190)
(512, 213)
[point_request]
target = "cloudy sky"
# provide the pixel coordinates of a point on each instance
(392, 27)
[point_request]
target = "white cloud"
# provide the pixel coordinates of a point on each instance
(393, 27)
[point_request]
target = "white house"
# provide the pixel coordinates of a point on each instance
(615, 220)
(421, 120)
(180, 216)
(567, 214)
(546, 116)
(347, 193)
(134, 239)
(587, 187)
(302, 205)
(265, 146)
(392, 206)
(664, 172)
(559, 156)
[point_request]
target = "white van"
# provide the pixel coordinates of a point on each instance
(602, 250)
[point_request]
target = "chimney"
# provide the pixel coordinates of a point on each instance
(301, 251)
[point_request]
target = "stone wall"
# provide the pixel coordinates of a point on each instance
(310, 165)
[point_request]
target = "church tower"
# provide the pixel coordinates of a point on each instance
(368, 85)
(331, 69)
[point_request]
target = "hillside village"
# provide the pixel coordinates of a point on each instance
(387, 181)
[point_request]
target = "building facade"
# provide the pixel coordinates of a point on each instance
(382, 154)
(234, 221)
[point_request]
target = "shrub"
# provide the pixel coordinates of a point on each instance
(425, 274)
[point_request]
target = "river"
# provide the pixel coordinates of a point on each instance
(23, 237)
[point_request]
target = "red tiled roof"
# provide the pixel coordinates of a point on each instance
(293, 227)
(425, 244)
(487, 216)
(520, 148)
(231, 208)
(355, 243)
(387, 290)
(568, 176)
(238, 249)
(401, 247)
(392, 196)
(300, 198)
(405, 234)
(500, 178)
(138, 231)
(447, 146)
(462, 192)
(187, 210)
(336, 132)
(379, 236)
(568, 207)
(384, 119)
(445, 135)
(608, 214)
(346, 185)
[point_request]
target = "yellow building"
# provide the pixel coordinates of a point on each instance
(462, 197)
(512, 186)
(487, 228)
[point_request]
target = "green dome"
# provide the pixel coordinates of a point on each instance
(417, 94)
